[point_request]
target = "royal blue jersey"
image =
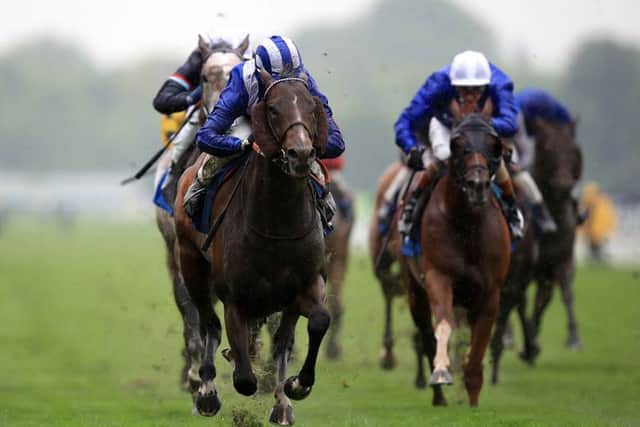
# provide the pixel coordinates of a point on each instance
(538, 104)
(434, 97)
(242, 92)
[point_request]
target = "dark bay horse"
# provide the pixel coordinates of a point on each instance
(268, 254)
(557, 168)
(513, 294)
(466, 253)
(216, 67)
(338, 258)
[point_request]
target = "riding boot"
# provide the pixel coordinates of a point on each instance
(170, 184)
(194, 197)
(544, 220)
(405, 224)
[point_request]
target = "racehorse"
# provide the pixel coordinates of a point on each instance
(557, 168)
(513, 294)
(465, 255)
(384, 258)
(268, 253)
(338, 253)
(217, 64)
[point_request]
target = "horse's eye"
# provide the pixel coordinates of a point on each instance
(272, 110)
(204, 79)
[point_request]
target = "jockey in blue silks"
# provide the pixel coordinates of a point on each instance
(534, 104)
(470, 84)
(277, 56)
(181, 91)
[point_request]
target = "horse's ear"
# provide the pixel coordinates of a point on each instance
(487, 109)
(242, 47)
(261, 132)
(265, 78)
(203, 46)
(322, 127)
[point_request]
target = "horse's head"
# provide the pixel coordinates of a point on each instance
(475, 156)
(218, 60)
(289, 124)
(558, 159)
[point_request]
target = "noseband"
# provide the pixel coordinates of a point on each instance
(281, 159)
(473, 146)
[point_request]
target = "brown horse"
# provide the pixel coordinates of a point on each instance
(338, 253)
(268, 254)
(465, 243)
(557, 168)
(216, 67)
(385, 261)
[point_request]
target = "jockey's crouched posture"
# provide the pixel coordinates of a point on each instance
(277, 56)
(181, 91)
(470, 84)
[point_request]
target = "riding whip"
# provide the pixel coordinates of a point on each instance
(143, 170)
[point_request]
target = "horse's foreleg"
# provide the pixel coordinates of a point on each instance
(566, 286)
(497, 342)
(282, 412)
(194, 270)
(544, 293)
(388, 359)
(481, 324)
(237, 327)
(425, 341)
(439, 291)
(337, 270)
(312, 307)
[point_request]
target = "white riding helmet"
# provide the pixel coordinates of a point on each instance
(470, 68)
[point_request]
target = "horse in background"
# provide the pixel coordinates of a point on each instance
(214, 75)
(268, 254)
(465, 256)
(557, 169)
(384, 253)
(338, 258)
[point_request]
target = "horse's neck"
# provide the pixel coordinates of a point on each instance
(279, 204)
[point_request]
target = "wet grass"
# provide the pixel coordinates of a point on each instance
(89, 336)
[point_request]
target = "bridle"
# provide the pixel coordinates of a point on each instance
(473, 146)
(281, 158)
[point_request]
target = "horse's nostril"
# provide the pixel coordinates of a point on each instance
(292, 153)
(312, 153)
(487, 184)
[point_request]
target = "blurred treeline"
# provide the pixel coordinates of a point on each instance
(59, 112)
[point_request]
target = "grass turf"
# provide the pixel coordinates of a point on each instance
(90, 336)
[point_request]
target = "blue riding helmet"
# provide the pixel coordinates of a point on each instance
(278, 55)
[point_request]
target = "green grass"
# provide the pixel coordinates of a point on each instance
(89, 336)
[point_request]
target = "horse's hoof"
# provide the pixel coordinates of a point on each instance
(441, 376)
(529, 356)
(208, 404)
(388, 360)
(573, 343)
(333, 350)
(245, 386)
(282, 416)
(294, 390)
(226, 353)
(439, 401)
(421, 382)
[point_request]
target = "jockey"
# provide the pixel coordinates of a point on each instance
(469, 84)
(181, 91)
(277, 56)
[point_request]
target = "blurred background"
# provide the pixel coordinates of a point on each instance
(76, 114)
